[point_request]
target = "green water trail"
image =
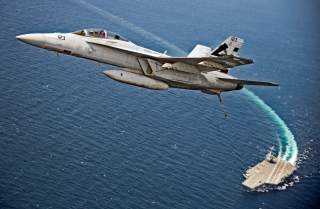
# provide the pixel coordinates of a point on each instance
(288, 149)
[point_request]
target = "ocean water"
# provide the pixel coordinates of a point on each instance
(72, 138)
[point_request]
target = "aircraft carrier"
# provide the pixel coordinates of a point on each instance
(271, 171)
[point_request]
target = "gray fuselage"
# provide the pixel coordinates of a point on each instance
(123, 54)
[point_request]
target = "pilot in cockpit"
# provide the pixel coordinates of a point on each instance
(99, 33)
(102, 34)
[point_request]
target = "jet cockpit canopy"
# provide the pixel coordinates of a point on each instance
(99, 33)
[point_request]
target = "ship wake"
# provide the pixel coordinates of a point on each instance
(288, 149)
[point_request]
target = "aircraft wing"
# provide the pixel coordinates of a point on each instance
(228, 61)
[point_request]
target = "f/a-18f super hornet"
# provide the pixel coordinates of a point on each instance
(205, 69)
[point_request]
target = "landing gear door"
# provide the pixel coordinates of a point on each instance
(149, 66)
(155, 66)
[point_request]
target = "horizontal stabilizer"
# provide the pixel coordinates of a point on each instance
(248, 82)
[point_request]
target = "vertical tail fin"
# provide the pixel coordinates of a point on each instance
(200, 51)
(230, 46)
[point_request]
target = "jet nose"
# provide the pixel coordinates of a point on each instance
(35, 39)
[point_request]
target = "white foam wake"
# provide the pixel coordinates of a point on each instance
(288, 149)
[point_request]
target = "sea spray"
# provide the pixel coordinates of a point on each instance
(288, 149)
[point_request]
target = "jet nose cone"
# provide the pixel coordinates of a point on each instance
(21, 37)
(33, 39)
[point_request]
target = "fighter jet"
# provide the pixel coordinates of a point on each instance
(205, 69)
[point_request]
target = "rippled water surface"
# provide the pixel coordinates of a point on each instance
(72, 138)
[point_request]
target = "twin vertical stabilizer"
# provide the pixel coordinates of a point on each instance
(230, 46)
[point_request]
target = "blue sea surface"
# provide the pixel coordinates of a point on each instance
(72, 138)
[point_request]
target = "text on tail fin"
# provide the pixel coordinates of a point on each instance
(230, 46)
